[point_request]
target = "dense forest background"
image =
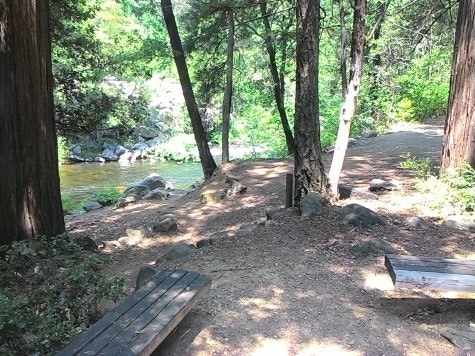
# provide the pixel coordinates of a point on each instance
(113, 70)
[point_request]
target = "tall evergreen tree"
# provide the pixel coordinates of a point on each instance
(459, 133)
(30, 200)
(309, 172)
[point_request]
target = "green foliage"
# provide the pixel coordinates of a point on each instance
(462, 184)
(420, 167)
(63, 148)
(107, 196)
(181, 148)
(49, 292)
(70, 204)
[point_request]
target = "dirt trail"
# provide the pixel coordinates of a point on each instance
(297, 286)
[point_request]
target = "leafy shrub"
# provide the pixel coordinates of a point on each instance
(462, 182)
(107, 196)
(70, 204)
(49, 292)
(420, 167)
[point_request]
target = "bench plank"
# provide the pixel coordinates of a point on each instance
(440, 274)
(168, 298)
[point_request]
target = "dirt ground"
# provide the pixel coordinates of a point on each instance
(295, 286)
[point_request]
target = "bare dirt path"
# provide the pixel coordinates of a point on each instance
(297, 286)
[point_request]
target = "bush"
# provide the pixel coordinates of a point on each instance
(49, 292)
(462, 184)
(420, 167)
(107, 196)
(70, 204)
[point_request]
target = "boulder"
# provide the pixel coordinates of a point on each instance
(416, 222)
(146, 133)
(119, 150)
(77, 150)
(234, 188)
(154, 181)
(109, 155)
(311, 204)
(374, 246)
(91, 206)
(166, 225)
(217, 237)
(369, 134)
(358, 215)
(178, 252)
(156, 194)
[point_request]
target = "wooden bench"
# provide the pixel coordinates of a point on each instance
(144, 319)
(438, 274)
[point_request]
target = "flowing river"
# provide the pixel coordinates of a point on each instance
(81, 180)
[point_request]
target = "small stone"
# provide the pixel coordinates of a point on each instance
(416, 222)
(272, 211)
(373, 246)
(145, 274)
(245, 230)
(203, 243)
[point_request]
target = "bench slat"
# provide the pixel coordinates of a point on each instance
(168, 298)
(136, 326)
(163, 324)
(440, 274)
(95, 330)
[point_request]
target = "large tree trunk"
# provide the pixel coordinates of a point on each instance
(30, 200)
(228, 91)
(279, 88)
(351, 98)
(309, 171)
(459, 133)
(207, 160)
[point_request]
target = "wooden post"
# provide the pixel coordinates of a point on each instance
(289, 190)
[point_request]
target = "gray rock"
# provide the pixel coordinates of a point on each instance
(344, 191)
(380, 184)
(129, 240)
(373, 246)
(217, 237)
(234, 188)
(460, 225)
(358, 215)
(311, 204)
(156, 194)
(417, 222)
(139, 233)
(109, 155)
(369, 134)
(272, 211)
(123, 202)
(178, 252)
(146, 132)
(77, 150)
(166, 225)
(203, 243)
(137, 191)
(91, 206)
(88, 244)
(154, 181)
(119, 150)
(245, 230)
(145, 274)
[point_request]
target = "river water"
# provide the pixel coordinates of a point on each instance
(81, 180)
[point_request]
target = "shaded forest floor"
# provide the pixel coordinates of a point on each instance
(297, 286)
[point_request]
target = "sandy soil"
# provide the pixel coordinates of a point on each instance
(295, 286)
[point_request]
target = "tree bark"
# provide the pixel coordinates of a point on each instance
(351, 97)
(228, 91)
(459, 133)
(30, 198)
(308, 167)
(279, 88)
(343, 49)
(207, 160)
